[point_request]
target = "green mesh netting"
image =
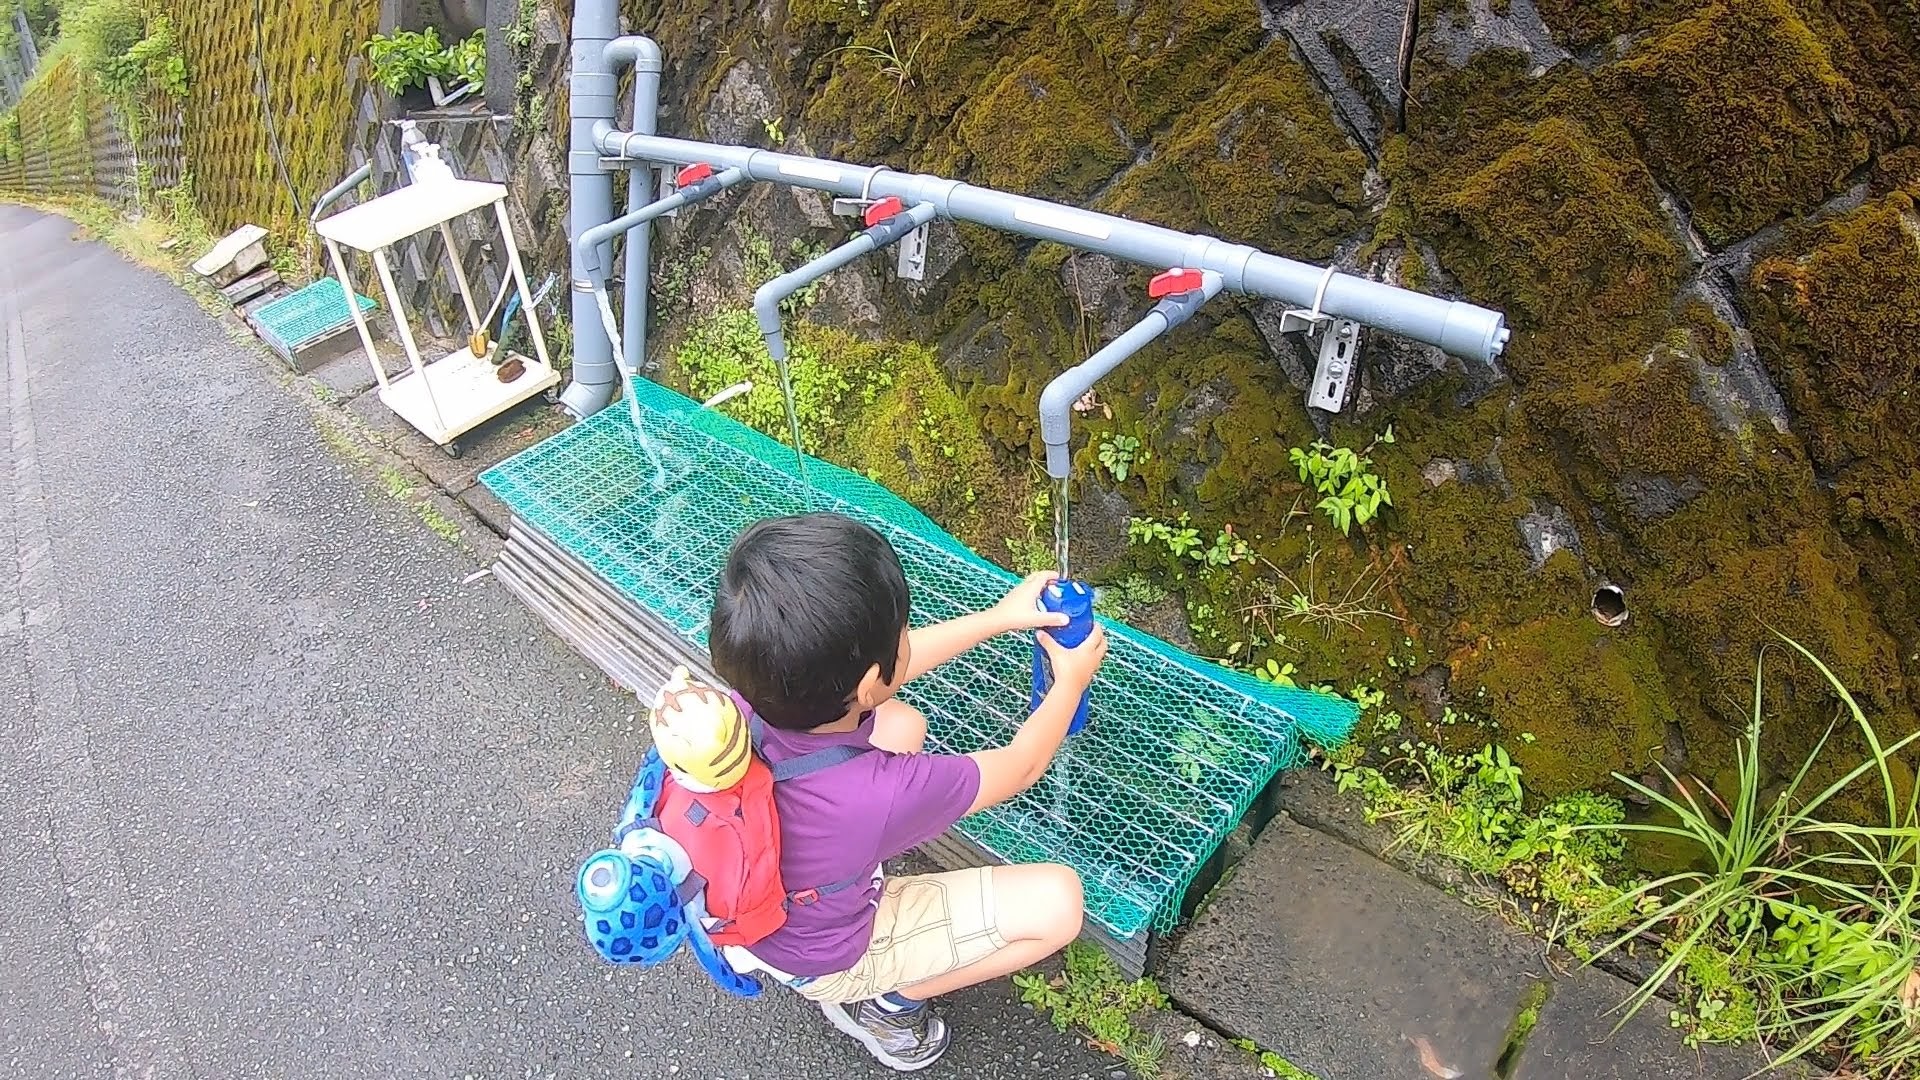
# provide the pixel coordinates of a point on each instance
(1177, 747)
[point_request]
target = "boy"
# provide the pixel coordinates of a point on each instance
(810, 628)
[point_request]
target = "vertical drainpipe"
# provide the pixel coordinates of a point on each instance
(644, 55)
(590, 189)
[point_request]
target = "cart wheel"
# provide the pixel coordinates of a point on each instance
(454, 450)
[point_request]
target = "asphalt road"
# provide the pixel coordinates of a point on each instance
(280, 796)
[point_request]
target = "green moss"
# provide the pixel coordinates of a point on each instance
(1582, 24)
(1043, 129)
(1167, 55)
(1837, 316)
(879, 408)
(1875, 45)
(236, 140)
(1722, 605)
(1592, 699)
(1638, 416)
(919, 441)
(1896, 170)
(908, 117)
(1262, 162)
(1560, 229)
(1742, 111)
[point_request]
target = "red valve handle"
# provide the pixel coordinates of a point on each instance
(1174, 283)
(692, 174)
(884, 209)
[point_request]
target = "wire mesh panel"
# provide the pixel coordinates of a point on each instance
(1177, 747)
(313, 312)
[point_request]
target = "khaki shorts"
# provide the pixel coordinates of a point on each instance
(924, 927)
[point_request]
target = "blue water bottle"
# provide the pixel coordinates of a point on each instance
(1076, 599)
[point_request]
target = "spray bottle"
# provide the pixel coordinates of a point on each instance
(1076, 600)
(411, 139)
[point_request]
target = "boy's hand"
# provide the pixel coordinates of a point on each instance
(1075, 667)
(1020, 609)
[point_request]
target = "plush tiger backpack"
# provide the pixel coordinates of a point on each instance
(696, 856)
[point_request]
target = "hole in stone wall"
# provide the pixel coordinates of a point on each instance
(1609, 605)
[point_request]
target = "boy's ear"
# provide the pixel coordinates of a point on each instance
(872, 690)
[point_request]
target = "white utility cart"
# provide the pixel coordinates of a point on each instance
(453, 394)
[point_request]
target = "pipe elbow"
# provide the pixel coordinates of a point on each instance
(1056, 405)
(766, 305)
(636, 49)
(586, 251)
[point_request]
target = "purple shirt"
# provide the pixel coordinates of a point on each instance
(839, 824)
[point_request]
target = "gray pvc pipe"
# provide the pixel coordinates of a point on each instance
(592, 88)
(644, 55)
(1463, 329)
(1056, 401)
(587, 249)
(339, 191)
(766, 299)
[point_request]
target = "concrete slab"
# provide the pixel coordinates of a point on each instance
(487, 506)
(482, 448)
(1354, 970)
(348, 374)
(1349, 968)
(1575, 1038)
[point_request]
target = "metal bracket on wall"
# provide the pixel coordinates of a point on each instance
(663, 187)
(1339, 343)
(913, 255)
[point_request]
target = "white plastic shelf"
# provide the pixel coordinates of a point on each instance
(391, 218)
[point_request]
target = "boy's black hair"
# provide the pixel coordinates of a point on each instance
(805, 606)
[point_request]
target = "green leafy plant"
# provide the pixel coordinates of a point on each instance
(775, 136)
(467, 60)
(1032, 548)
(1273, 671)
(101, 32)
(519, 33)
(892, 64)
(9, 136)
(1469, 808)
(1183, 541)
(1351, 493)
(406, 59)
(1829, 911)
(1275, 1065)
(1210, 743)
(727, 349)
(1094, 998)
(1118, 453)
(1122, 598)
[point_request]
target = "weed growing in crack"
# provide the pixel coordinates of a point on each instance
(1093, 998)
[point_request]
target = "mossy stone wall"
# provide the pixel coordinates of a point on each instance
(270, 104)
(1698, 216)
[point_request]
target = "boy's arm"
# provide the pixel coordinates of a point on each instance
(1008, 770)
(1018, 610)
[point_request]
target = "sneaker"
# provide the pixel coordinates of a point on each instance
(902, 1041)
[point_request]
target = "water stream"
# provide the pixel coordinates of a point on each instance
(648, 449)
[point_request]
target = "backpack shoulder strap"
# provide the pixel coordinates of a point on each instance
(824, 758)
